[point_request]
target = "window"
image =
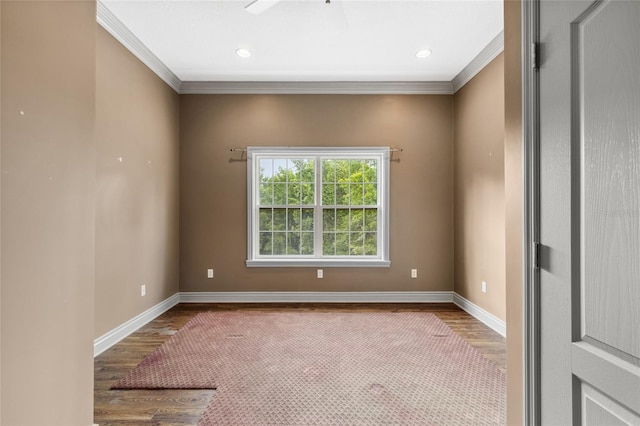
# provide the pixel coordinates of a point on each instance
(318, 206)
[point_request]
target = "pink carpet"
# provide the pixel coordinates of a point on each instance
(309, 368)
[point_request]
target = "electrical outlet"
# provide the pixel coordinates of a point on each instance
(320, 273)
(209, 273)
(414, 273)
(143, 290)
(484, 286)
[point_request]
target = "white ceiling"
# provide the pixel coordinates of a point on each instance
(309, 40)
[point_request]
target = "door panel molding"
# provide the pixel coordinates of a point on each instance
(598, 409)
(606, 230)
(619, 379)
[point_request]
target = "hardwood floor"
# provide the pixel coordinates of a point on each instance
(184, 407)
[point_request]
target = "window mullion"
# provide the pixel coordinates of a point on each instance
(317, 210)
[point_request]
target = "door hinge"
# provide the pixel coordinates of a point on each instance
(534, 56)
(536, 255)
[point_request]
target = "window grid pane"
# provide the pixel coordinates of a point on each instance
(348, 216)
(349, 200)
(354, 231)
(348, 183)
(286, 187)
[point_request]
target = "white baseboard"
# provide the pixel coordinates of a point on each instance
(488, 319)
(318, 297)
(109, 339)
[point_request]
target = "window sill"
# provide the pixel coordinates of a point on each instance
(325, 263)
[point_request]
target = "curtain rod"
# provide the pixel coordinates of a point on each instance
(392, 149)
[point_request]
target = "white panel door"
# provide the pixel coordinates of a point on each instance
(590, 212)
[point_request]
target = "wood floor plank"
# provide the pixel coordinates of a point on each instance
(184, 407)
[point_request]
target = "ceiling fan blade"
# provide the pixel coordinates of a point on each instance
(258, 6)
(340, 20)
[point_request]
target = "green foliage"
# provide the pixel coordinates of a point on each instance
(287, 188)
(287, 182)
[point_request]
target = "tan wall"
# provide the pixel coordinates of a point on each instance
(213, 207)
(0, 212)
(137, 120)
(479, 189)
(48, 187)
(513, 196)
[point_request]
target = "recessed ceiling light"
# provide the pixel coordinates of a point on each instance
(243, 53)
(423, 53)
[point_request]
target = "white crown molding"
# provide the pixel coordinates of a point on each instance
(118, 30)
(112, 337)
(488, 319)
(318, 297)
(486, 55)
(317, 87)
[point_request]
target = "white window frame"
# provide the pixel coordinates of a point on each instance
(254, 154)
